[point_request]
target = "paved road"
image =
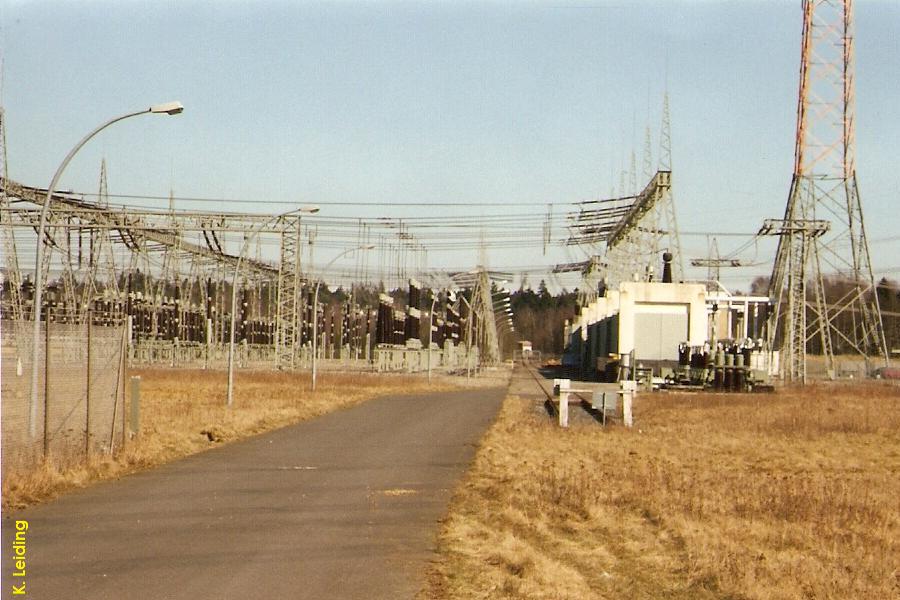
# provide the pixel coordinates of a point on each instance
(345, 506)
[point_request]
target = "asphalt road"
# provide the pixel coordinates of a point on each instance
(345, 506)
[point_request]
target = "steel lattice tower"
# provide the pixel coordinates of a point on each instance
(289, 305)
(666, 222)
(483, 313)
(634, 251)
(11, 262)
(101, 271)
(822, 241)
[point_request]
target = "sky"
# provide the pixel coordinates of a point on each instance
(505, 106)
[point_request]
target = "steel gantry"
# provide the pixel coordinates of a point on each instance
(633, 230)
(153, 264)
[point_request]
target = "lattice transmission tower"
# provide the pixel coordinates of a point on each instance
(822, 239)
(11, 260)
(649, 227)
(482, 311)
(666, 222)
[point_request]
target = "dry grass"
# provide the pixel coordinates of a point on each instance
(794, 495)
(183, 412)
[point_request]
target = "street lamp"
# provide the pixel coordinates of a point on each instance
(434, 298)
(315, 305)
(169, 108)
(237, 268)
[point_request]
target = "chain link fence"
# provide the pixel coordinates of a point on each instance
(80, 406)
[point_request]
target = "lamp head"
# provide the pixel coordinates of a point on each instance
(310, 209)
(170, 108)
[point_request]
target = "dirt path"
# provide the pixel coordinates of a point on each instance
(345, 506)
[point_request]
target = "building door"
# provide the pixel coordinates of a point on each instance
(658, 329)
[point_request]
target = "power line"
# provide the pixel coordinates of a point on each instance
(322, 203)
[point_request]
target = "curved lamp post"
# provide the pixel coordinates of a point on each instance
(237, 268)
(169, 108)
(315, 305)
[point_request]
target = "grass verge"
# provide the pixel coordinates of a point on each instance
(184, 412)
(793, 495)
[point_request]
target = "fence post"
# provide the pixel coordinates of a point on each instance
(209, 332)
(120, 376)
(87, 398)
(123, 364)
(129, 341)
(135, 419)
(46, 388)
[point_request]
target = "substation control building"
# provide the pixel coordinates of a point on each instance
(647, 324)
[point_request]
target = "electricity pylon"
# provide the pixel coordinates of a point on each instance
(822, 233)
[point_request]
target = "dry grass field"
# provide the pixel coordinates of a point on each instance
(183, 412)
(790, 495)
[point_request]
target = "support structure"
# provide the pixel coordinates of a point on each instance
(800, 235)
(13, 277)
(484, 320)
(666, 221)
(714, 264)
(843, 316)
(638, 226)
(635, 244)
(287, 318)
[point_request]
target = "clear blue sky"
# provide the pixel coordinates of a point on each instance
(523, 103)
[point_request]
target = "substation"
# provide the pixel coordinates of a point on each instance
(191, 288)
(821, 304)
(177, 298)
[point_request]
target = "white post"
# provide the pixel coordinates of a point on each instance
(628, 389)
(563, 408)
(315, 327)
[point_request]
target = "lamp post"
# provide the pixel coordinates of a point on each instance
(315, 305)
(169, 108)
(237, 268)
(469, 317)
(434, 298)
